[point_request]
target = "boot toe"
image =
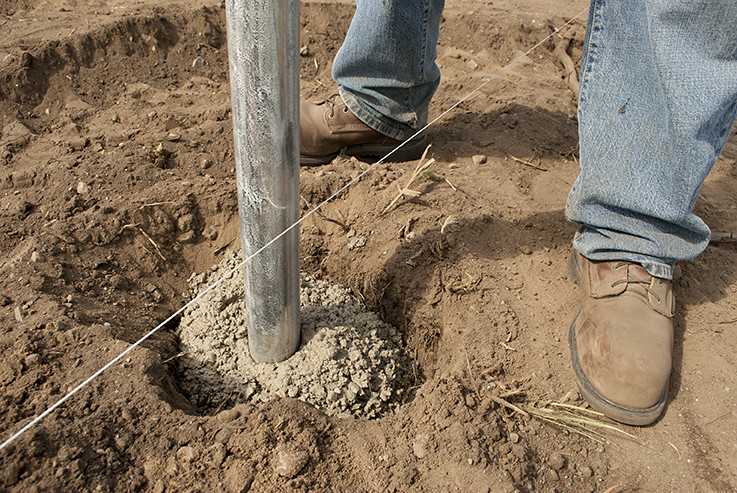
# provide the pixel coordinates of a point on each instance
(621, 369)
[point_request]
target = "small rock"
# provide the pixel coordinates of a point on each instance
(171, 468)
(526, 250)
(586, 471)
(479, 159)
(513, 437)
(121, 442)
(470, 401)
(22, 179)
(198, 62)
(217, 454)
(77, 144)
(223, 435)
(18, 314)
(291, 462)
(188, 237)
(305, 50)
(211, 233)
(206, 163)
(15, 133)
(357, 242)
(238, 477)
(37, 257)
(420, 447)
(186, 222)
(186, 454)
(158, 297)
(150, 288)
(4, 300)
(83, 188)
(173, 136)
(556, 461)
(551, 475)
(472, 64)
(228, 415)
(33, 359)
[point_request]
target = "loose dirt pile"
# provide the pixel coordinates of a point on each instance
(349, 362)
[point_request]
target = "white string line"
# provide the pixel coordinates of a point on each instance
(76, 389)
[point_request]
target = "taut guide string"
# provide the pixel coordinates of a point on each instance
(76, 389)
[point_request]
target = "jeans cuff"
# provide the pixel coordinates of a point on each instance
(656, 268)
(375, 120)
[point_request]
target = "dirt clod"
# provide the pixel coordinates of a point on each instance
(421, 445)
(556, 461)
(291, 462)
(238, 476)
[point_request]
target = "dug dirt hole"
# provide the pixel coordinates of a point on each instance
(349, 363)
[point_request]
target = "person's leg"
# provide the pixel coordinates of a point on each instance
(386, 70)
(658, 99)
(386, 75)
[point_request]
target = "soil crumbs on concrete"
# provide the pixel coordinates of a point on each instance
(117, 184)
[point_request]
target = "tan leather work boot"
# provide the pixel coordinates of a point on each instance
(328, 127)
(622, 339)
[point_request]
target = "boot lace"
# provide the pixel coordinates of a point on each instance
(332, 104)
(629, 280)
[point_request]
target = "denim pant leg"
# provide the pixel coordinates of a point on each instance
(658, 99)
(385, 70)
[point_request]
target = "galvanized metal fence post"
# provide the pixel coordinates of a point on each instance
(263, 50)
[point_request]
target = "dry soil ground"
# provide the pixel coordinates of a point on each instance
(117, 183)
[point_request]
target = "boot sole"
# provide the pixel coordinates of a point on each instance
(626, 415)
(411, 151)
(408, 152)
(316, 160)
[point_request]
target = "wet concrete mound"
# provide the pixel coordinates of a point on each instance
(349, 362)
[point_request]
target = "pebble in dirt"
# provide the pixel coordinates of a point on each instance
(349, 362)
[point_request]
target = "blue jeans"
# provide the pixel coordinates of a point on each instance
(385, 70)
(658, 99)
